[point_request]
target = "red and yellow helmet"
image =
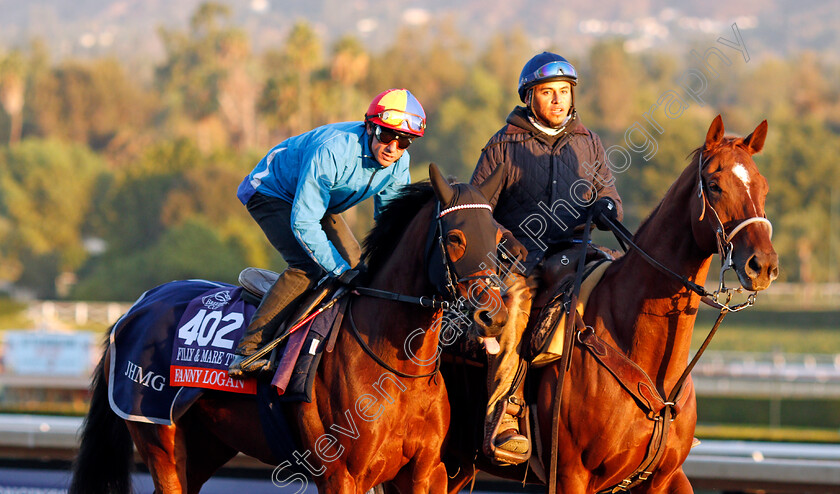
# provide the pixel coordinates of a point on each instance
(397, 109)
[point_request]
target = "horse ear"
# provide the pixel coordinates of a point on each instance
(491, 185)
(444, 192)
(755, 141)
(715, 134)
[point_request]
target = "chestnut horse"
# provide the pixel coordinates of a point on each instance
(397, 435)
(647, 316)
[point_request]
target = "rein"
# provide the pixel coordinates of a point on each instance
(369, 351)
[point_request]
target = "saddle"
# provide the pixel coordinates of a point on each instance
(294, 365)
(550, 306)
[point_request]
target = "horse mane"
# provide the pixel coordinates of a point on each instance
(392, 223)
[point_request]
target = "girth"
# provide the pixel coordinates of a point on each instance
(639, 385)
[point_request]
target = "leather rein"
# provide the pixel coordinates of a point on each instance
(660, 409)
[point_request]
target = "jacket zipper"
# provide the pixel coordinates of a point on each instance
(345, 201)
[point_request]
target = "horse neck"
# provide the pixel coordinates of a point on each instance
(389, 323)
(655, 313)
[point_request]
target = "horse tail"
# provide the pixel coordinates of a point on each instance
(106, 453)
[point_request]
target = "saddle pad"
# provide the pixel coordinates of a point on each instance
(205, 341)
(552, 349)
(304, 350)
(142, 348)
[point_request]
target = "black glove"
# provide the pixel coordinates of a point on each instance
(604, 208)
(349, 278)
(515, 247)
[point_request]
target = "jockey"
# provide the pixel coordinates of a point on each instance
(555, 170)
(298, 189)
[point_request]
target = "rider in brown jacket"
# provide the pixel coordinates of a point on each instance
(556, 170)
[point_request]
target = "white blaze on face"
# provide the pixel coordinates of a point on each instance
(741, 172)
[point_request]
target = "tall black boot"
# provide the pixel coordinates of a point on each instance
(278, 303)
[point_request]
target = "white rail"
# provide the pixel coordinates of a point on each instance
(744, 465)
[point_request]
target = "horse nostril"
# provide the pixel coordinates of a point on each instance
(754, 266)
(484, 317)
(774, 272)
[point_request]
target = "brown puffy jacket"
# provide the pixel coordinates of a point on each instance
(536, 201)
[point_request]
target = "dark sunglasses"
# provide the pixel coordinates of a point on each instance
(386, 136)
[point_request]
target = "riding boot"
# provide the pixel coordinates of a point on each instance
(506, 417)
(277, 304)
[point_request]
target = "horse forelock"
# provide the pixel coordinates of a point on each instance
(392, 223)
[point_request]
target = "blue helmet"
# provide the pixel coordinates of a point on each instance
(543, 68)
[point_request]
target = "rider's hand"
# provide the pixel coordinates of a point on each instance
(604, 208)
(514, 246)
(349, 278)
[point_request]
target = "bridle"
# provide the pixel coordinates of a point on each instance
(458, 305)
(452, 302)
(450, 280)
(721, 297)
(725, 247)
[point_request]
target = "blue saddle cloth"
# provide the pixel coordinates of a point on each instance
(141, 348)
(160, 330)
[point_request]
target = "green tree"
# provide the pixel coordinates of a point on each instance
(464, 123)
(431, 61)
(131, 209)
(611, 79)
(503, 59)
(12, 88)
(349, 66)
(803, 177)
(206, 80)
(288, 97)
(192, 250)
(94, 103)
(46, 188)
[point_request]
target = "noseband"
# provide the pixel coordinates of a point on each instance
(450, 279)
(725, 247)
(454, 302)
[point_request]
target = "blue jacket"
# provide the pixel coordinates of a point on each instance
(326, 170)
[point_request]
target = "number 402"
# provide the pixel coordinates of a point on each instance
(202, 327)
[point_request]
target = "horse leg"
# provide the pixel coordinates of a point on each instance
(161, 447)
(337, 482)
(464, 475)
(206, 453)
(419, 477)
(437, 481)
(575, 481)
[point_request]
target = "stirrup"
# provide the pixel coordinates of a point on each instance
(511, 440)
(506, 442)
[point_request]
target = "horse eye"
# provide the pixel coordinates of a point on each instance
(453, 238)
(714, 187)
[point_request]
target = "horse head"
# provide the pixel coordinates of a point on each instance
(730, 205)
(461, 260)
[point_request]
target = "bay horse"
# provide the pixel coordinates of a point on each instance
(431, 230)
(638, 316)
